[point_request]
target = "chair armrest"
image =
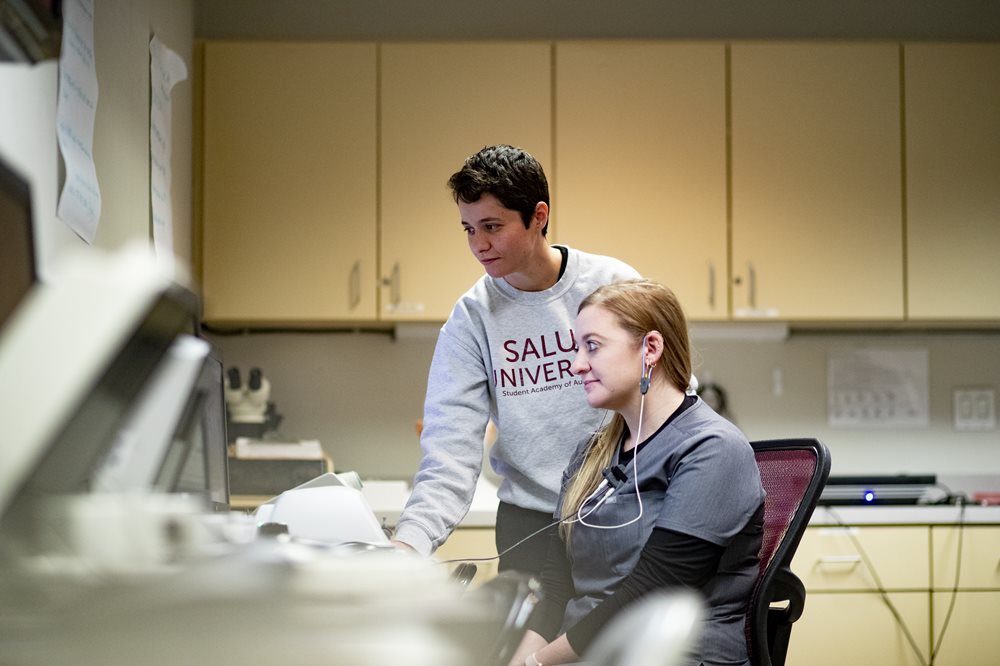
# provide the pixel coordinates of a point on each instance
(786, 586)
(464, 573)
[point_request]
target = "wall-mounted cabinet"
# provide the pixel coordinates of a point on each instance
(953, 180)
(324, 169)
(817, 229)
(289, 183)
(440, 104)
(640, 152)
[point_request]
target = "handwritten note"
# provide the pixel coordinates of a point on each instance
(80, 200)
(166, 69)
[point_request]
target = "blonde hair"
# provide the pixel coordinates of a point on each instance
(638, 306)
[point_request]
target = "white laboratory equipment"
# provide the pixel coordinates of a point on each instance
(117, 558)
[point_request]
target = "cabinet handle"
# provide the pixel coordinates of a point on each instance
(393, 283)
(752, 286)
(711, 285)
(354, 285)
(852, 560)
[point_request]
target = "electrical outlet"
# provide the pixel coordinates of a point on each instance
(975, 409)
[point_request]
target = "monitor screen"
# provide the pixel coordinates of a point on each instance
(148, 433)
(216, 438)
(17, 250)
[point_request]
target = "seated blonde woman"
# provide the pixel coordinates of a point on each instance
(667, 494)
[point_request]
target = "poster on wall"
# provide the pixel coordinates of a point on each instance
(878, 388)
(76, 109)
(166, 69)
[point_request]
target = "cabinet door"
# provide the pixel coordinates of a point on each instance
(816, 181)
(641, 162)
(971, 636)
(858, 628)
(828, 558)
(440, 104)
(289, 181)
(953, 180)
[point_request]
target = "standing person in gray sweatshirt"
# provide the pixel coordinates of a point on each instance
(505, 353)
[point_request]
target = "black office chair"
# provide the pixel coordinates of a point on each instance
(511, 596)
(793, 472)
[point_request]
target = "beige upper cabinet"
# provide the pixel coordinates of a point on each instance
(440, 104)
(289, 183)
(953, 180)
(817, 227)
(640, 169)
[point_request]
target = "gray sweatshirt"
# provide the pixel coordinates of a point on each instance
(504, 354)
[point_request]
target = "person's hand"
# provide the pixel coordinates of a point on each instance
(530, 643)
(399, 545)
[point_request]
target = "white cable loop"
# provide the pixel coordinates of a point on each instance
(635, 480)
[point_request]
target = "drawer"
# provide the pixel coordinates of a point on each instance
(980, 557)
(827, 558)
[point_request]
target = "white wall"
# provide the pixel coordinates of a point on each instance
(746, 370)
(122, 30)
(361, 394)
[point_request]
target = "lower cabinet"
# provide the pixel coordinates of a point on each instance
(847, 619)
(468, 543)
(970, 589)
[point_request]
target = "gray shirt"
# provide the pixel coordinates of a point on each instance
(504, 354)
(697, 476)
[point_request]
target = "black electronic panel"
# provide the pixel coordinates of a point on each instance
(17, 247)
(868, 490)
(30, 30)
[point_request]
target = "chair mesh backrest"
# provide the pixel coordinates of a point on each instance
(785, 475)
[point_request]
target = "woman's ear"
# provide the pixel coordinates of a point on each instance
(654, 348)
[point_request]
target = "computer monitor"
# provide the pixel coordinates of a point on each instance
(17, 248)
(197, 459)
(146, 437)
(72, 364)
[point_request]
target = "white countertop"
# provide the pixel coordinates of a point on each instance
(387, 499)
(943, 514)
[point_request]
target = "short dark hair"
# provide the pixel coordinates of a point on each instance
(510, 174)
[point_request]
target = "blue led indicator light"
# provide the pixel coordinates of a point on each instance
(869, 496)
